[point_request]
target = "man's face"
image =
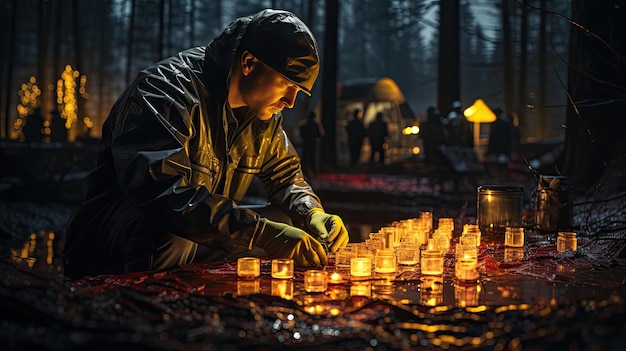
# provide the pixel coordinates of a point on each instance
(265, 91)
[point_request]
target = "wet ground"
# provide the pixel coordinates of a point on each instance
(534, 300)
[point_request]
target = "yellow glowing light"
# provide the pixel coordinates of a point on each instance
(415, 130)
(416, 150)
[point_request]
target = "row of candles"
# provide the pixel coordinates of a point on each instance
(406, 243)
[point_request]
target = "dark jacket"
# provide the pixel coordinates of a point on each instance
(175, 158)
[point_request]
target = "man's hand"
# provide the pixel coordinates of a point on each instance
(327, 227)
(284, 241)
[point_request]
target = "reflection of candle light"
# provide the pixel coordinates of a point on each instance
(315, 281)
(466, 294)
(282, 288)
(282, 268)
(249, 267)
(364, 289)
(361, 267)
(248, 287)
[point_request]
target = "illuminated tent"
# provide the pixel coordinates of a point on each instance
(371, 95)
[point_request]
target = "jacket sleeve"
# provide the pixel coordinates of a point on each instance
(283, 178)
(149, 148)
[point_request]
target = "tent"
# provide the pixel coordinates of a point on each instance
(372, 95)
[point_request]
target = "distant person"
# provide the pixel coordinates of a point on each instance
(516, 137)
(33, 129)
(432, 134)
(310, 134)
(457, 129)
(377, 133)
(58, 132)
(356, 136)
(500, 144)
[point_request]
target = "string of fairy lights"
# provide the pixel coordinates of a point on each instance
(70, 87)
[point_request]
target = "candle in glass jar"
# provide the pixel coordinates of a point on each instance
(315, 281)
(282, 268)
(466, 268)
(249, 267)
(514, 237)
(432, 262)
(361, 266)
(385, 261)
(566, 241)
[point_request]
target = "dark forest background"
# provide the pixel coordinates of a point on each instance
(558, 64)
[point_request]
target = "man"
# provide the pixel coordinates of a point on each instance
(181, 147)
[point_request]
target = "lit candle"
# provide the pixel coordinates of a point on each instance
(282, 268)
(282, 288)
(514, 237)
(408, 255)
(385, 261)
(249, 267)
(315, 281)
(466, 268)
(432, 262)
(361, 266)
(566, 241)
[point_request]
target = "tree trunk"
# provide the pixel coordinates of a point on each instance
(596, 123)
(449, 72)
(542, 124)
(329, 86)
(522, 95)
(509, 74)
(9, 77)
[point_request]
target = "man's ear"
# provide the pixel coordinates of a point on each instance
(248, 62)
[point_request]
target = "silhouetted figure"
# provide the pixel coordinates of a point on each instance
(33, 129)
(457, 129)
(377, 132)
(310, 133)
(500, 144)
(432, 134)
(356, 136)
(58, 132)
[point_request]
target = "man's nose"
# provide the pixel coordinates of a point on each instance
(289, 99)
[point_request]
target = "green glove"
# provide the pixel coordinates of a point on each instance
(284, 241)
(329, 228)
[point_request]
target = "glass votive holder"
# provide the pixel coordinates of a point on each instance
(514, 237)
(566, 241)
(249, 267)
(432, 262)
(469, 239)
(361, 266)
(439, 243)
(385, 261)
(282, 268)
(315, 281)
(408, 255)
(466, 268)
(343, 256)
(282, 288)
